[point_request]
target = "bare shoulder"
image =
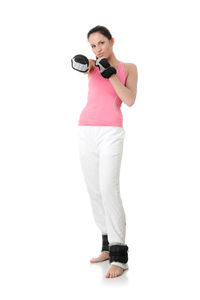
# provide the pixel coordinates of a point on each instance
(130, 68)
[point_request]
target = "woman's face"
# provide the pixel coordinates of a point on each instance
(100, 44)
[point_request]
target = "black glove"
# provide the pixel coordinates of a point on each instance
(105, 68)
(80, 63)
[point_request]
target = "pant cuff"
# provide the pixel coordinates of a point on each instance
(123, 266)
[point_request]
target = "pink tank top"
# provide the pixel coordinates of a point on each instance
(103, 106)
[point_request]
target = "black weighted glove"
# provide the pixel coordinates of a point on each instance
(80, 63)
(105, 68)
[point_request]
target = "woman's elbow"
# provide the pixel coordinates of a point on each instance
(132, 102)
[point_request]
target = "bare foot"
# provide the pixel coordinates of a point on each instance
(114, 271)
(103, 256)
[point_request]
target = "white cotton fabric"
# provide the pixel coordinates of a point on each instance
(100, 150)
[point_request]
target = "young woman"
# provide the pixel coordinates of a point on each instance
(101, 136)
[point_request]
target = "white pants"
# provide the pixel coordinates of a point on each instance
(101, 149)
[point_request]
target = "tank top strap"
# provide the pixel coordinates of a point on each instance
(121, 72)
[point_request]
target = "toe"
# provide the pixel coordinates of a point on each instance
(120, 272)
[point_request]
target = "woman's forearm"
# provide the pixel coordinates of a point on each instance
(126, 95)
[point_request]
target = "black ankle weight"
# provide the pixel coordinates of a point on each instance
(118, 253)
(105, 243)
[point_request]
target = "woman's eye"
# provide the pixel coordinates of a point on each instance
(94, 45)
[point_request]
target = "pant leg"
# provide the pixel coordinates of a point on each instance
(110, 150)
(89, 159)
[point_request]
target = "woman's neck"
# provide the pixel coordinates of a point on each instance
(113, 61)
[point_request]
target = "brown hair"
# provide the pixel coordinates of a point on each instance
(102, 29)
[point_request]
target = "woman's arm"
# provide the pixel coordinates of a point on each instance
(91, 65)
(126, 93)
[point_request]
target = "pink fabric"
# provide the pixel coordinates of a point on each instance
(103, 106)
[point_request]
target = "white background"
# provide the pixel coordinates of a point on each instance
(47, 230)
